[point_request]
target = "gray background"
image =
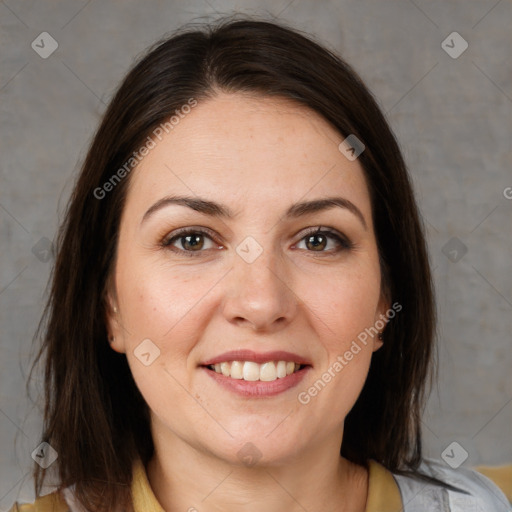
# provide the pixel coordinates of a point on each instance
(452, 117)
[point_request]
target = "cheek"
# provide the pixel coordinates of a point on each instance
(345, 310)
(159, 301)
(166, 307)
(346, 301)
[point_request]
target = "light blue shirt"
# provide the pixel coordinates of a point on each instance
(476, 493)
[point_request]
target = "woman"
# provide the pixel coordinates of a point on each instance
(242, 313)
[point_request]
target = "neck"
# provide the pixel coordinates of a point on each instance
(185, 478)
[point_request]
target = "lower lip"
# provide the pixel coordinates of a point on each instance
(258, 388)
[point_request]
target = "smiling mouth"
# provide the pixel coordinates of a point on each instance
(251, 371)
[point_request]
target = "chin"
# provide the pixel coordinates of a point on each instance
(254, 448)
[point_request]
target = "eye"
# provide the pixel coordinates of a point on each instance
(189, 240)
(318, 239)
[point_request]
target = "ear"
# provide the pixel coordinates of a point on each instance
(381, 319)
(115, 331)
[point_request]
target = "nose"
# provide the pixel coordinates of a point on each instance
(260, 294)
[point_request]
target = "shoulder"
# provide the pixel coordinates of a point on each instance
(501, 476)
(464, 490)
(53, 502)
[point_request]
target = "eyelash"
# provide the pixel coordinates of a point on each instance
(344, 243)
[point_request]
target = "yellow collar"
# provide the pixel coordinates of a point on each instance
(383, 492)
(143, 497)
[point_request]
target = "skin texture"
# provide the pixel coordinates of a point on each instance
(257, 156)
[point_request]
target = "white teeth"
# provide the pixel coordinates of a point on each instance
(268, 372)
(237, 370)
(224, 368)
(281, 369)
(251, 371)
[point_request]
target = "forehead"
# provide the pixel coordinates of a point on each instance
(251, 150)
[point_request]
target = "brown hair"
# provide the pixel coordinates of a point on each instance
(94, 415)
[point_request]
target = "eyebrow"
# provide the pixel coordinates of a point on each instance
(296, 210)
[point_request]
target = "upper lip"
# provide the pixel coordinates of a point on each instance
(257, 357)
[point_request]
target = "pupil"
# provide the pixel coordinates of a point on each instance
(195, 240)
(312, 237)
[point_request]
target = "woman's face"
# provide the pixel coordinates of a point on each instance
(248, 282)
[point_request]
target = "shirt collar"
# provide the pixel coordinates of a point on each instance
(144, 500)
(383, 492)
